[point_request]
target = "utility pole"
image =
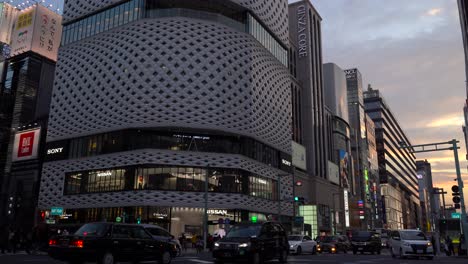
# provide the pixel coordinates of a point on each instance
(441, 146)
(205, 213)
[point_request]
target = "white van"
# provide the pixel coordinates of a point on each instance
(410, 243)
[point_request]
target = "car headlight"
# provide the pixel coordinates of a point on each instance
(216, 244)
(406, 244)
(244, 245)
(429, 244)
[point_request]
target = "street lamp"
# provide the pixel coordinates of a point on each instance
(452, 145)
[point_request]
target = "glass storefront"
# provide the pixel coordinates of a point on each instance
(178, 220)
(171, 179)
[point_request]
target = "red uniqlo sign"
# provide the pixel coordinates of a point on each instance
(26, 145)
(25, 148)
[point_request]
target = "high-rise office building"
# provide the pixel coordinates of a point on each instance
(25, 97)
(364, 201)
(338, 135)
(426, 195)
(154, 99)
(463, 11)
(397, 167)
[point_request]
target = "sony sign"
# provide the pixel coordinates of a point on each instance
(301, 27)
(54, 151)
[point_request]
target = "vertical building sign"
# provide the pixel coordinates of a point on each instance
(26, 145)
(47, 33)
(301, 29)
(23, 32)
(344, 168)
(346, 207)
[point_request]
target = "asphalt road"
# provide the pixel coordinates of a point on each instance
(385, 258)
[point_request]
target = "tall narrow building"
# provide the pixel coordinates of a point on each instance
(155, 98)
(397, 166)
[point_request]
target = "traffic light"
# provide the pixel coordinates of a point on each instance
(456, 196)
(253, 219)
(299, 200)
(138, 220)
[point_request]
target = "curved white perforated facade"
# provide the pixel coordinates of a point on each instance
(173, 72)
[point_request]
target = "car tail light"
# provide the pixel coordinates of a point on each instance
(77, 243)
(52, 242)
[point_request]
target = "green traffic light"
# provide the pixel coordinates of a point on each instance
(253, 219)
(296, 198)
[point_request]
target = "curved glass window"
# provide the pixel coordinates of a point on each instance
(168, 178)
(231, 16)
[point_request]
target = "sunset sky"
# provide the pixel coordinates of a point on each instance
(412, 52)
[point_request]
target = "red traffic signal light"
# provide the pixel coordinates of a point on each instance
(455, 189)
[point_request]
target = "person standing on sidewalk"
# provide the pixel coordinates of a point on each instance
(449, 245)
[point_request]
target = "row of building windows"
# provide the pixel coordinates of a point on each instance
(171, 179)
(136, 9)
(140, 139)
(103, 21)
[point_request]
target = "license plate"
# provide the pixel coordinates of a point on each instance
(360, 248)
(419, 251)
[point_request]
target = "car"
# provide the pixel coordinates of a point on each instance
(334, 244)
(109, 243)
(410, 243)
(253, 243)
(299, 244)
(162, 234)
(366, 241)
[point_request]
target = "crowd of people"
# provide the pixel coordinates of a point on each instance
(14, 239)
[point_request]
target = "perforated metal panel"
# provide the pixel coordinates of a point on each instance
(173, 72)
(274, 13)
(52, 182)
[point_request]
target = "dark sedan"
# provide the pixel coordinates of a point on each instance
(333, 244)
(109, 243)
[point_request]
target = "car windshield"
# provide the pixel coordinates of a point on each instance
(295, 238)
(94, 229)
(244, 231)
(361, 236)
(328, 239)
(413, 235)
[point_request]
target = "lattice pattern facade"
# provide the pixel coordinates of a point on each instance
(174, 72)
(274, 13)
(52, 182)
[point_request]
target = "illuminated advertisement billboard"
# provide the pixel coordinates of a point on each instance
(8, 14)
(344, 168)
(37, 29)
(26, 145)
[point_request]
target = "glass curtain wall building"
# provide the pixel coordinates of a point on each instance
(397, 167)
(153, 98)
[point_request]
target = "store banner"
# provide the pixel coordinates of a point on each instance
(26, 145)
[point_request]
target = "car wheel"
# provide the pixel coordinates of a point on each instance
(393, 254)
(299, 250)
(166, 258)
(107, 258)
(314, 250)
(255, 258)
(179, 251)
(401, 253)
(283, 257)
(378, 252)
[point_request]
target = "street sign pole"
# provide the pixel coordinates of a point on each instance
(460, 185)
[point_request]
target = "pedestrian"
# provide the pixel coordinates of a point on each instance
(194, 241)
(183, 241)
(199, 244)
(433, 244)
(449, 246)
(4, 238)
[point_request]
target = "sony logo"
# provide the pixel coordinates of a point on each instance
(301, 26)
(286, 162)
(54, 151)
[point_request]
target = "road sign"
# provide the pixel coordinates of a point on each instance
(455, 215)
(56, 211)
